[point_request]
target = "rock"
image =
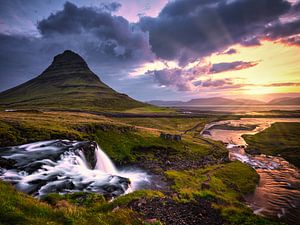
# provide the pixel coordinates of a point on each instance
(88, 149)
(169, 211)
(115, 209)
(171, 137)
(7, 163)
(206, 132)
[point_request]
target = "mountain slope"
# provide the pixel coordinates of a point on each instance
(67, 84)
(208, 101)
(285, 101)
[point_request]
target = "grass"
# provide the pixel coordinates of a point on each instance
(223, 184)
(150, 109)
(78, 208)
(117, 137)
(280, 139)
(174, 125)
(125, 140)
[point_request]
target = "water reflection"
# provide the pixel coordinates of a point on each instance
(278, 192)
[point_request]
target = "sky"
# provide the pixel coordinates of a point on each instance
(160, 49)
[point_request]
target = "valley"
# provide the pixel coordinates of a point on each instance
(195, 171)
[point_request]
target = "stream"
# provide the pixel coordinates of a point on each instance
(278, 191)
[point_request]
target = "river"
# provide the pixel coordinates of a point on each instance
(278, 191)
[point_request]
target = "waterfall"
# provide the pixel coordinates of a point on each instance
(103, 162)
(60, 166)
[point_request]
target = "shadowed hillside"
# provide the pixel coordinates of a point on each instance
(67, 84)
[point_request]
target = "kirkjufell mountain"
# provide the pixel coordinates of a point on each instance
(67, 84)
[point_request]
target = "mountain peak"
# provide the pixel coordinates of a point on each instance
(66, 62)
(68, 55)
(67, 84)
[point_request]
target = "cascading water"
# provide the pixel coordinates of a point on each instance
(64, 166)
(278, 192)
(103, 162)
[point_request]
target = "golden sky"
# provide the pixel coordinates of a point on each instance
(277, 63)
(276, 71)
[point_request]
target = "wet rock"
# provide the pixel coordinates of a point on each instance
(88, 149)
(206, 132)
(7, 163)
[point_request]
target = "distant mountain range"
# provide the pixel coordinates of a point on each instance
(226, 101)
(67, 84)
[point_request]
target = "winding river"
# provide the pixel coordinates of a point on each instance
(278, 192)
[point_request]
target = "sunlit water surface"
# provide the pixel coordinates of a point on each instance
(278, 192)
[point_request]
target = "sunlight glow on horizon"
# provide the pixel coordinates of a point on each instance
(277, 70)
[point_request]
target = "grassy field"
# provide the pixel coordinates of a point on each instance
(222, 184)
(17, 208)
(117, 137)
(195, 168)
(280, 139)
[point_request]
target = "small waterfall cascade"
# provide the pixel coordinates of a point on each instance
(62, 166)
(103, 162)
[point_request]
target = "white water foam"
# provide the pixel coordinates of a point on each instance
(61, 166)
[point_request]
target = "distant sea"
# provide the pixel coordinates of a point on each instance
(240, 108)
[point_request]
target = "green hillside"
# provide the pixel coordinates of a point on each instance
(67, 84)
(279, 139)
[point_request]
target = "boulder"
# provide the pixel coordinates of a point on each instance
(172, 137)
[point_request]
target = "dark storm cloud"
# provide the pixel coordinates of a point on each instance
(284, 29)
(188, 29)
(108, 35)
(229, 66)
(112, 7)
(104, 40)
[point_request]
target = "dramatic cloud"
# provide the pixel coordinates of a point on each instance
(287, 84)
(284, 29)
(230, 51)
(184, 31)
(218, 83)
(186, 79)
(173, 78)
(295, 40)
(215, 83)
(229, 66)
(188, 29)
(100, 37)
(108, 35)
